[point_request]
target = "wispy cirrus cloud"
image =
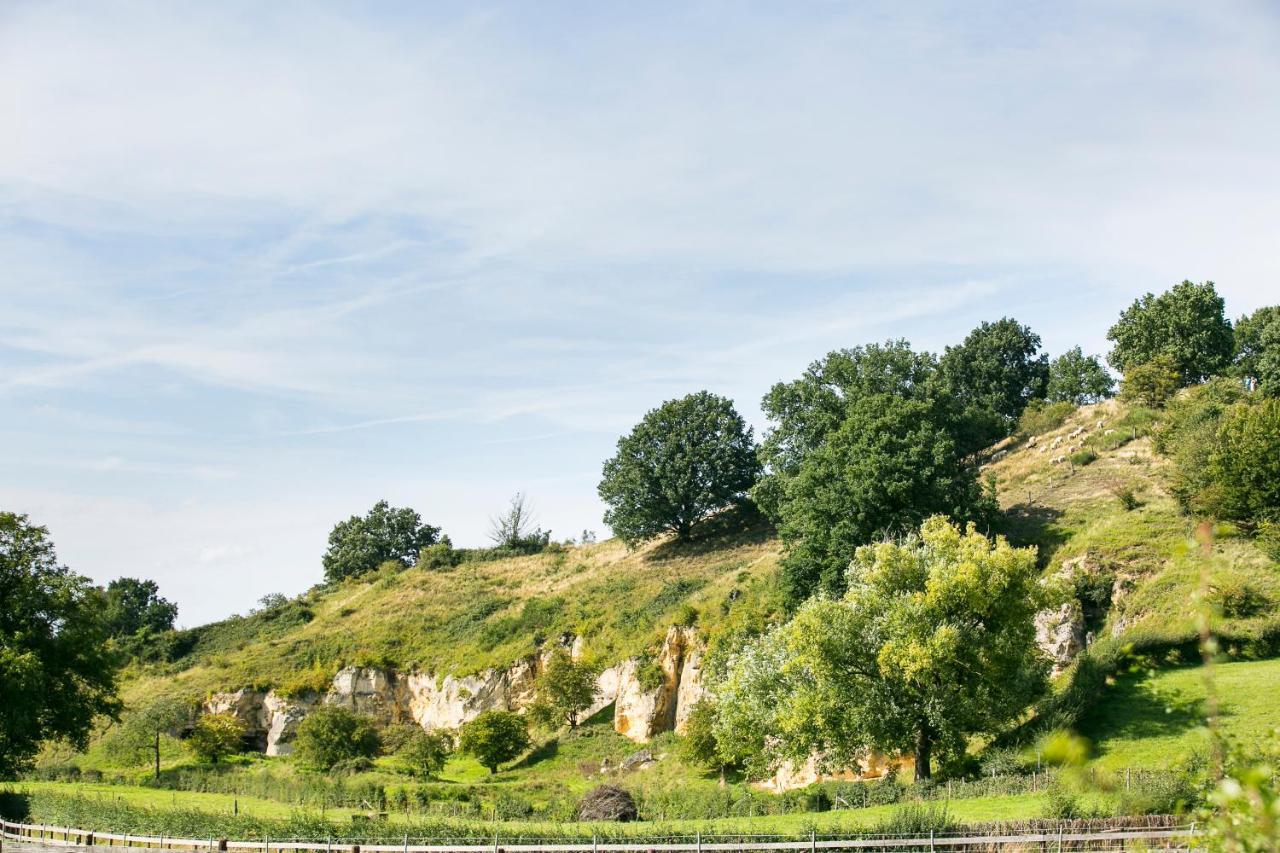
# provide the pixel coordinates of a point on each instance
(439, 253)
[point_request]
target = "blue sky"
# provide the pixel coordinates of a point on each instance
(263, 264)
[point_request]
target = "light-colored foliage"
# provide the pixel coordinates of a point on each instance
(934, 642)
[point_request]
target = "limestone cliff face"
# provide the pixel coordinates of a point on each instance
(641, 711)
(283, 716)
(790, 776)
(1060, 634)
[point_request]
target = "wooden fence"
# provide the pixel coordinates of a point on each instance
(1060, 841)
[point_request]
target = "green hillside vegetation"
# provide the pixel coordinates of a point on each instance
(853, 590)
(482, 613)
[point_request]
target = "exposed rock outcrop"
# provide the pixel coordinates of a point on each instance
(1060, 633)
(645, 708)
(790, 776)
(283, 716)
(642, 710)
(376, 693)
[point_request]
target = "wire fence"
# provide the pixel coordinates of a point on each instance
(1066, 838)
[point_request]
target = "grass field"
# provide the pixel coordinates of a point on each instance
(976, 810)
(1157, 720)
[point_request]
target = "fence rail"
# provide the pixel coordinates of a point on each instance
(1170, 838)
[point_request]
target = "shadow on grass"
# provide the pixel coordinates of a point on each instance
(14, 806)
(734, 527)
(1134, 711)
(1034, 524)
(543, 752)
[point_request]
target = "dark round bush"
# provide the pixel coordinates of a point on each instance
(608, 802)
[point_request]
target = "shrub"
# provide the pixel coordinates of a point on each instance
(916, 820)
(441, 555)
(330, 735)
(1152, 384)
(314, 679)
(1083, 457)
(216, 736)
(1127, 496)
(1239, 599)
(607, 802)
(1268, 539)
(425, 753)
(494, 738)
(1041, 416)
(1245, 462)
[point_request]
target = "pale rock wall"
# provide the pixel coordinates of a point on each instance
(450, 702)
(691, 689)
(790, 776)
(1060, 634)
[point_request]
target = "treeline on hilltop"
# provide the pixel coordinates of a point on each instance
(910, 629)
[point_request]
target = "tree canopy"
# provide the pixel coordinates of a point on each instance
(891, 463)
(1186, 324)
(494, 738)
(1249, 331)
(994, 374)
(134, 606)
(1078, 378)
(933, 643)
(360, 544)
(56, 671)
(686, 459)
(807, 410)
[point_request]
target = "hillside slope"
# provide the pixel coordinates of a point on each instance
(473, 636)
(1110, 529)
(438, 646)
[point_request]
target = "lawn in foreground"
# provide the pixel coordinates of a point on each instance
(976, 810)
(1157, 719)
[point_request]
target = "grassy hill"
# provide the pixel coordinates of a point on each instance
(1107, 528)
(479, 614)
(1139, 563)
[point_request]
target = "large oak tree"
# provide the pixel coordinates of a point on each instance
(684, 461)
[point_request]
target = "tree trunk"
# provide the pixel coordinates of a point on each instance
(157, 755)
(924, 752)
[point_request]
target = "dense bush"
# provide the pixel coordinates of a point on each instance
(1245, 462)
(1151, 384)
(215, 736)
(330, 735)
(1040, 417)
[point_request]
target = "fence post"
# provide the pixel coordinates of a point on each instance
(813, 841)
(930, 841)
(697, 839)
